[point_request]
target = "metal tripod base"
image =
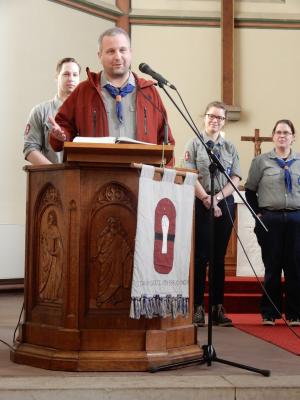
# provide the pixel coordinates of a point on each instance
(209, 355)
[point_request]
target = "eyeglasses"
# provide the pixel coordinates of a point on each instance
(211, 117)
(284, 133)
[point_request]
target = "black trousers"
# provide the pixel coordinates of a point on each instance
(280, 248)
(222, 230)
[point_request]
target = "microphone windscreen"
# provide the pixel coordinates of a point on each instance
(143, 67)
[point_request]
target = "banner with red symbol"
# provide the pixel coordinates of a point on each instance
(160, 284)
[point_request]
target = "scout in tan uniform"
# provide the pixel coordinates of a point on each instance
(37, 150)
(273, 191)
(196, 158)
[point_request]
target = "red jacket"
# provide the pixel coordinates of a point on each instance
(83, 113)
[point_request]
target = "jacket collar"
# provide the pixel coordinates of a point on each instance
(94, 79)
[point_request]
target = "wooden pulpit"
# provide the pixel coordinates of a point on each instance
(80, 233)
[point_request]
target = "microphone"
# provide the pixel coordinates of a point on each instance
(143, 67)
(214, 155)
(214, 149)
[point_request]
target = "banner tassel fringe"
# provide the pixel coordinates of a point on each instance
(159, 306)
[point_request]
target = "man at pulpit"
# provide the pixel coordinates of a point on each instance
(114, 102)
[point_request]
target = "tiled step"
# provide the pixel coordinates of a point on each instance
(196, 386)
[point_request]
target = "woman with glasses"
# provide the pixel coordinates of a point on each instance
(273, 191)
(223, 203)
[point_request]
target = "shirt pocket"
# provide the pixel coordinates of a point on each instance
(132, 113)
(202, 167)
(272, 180)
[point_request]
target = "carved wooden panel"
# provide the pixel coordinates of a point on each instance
(49, 249)
(111, 247)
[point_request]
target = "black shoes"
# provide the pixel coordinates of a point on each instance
(293, 322)
(199, 316)
(219, 317)
(268, 321)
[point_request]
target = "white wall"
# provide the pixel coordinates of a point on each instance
(34, 35)
(12, 248)
(267, 85)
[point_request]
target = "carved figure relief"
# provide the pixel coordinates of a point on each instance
(50, 258)
(114, 260)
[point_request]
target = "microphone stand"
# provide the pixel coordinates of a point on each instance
(209, 353)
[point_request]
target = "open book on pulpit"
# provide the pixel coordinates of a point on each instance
(108, 139)
(110, 151)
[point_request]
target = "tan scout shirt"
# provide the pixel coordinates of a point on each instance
(196, 158)
(128, 107)
(37, 130)
(266, 178)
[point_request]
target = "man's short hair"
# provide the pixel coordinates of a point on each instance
(112, 32)
(66, 60)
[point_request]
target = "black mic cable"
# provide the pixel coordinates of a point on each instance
(166, 124)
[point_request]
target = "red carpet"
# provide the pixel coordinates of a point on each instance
(280, 335)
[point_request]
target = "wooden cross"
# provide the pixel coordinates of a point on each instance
(257, 140)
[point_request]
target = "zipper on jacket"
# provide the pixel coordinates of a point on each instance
(145, 121)
(94, 122)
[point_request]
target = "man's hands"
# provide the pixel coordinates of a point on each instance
(56, 130)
